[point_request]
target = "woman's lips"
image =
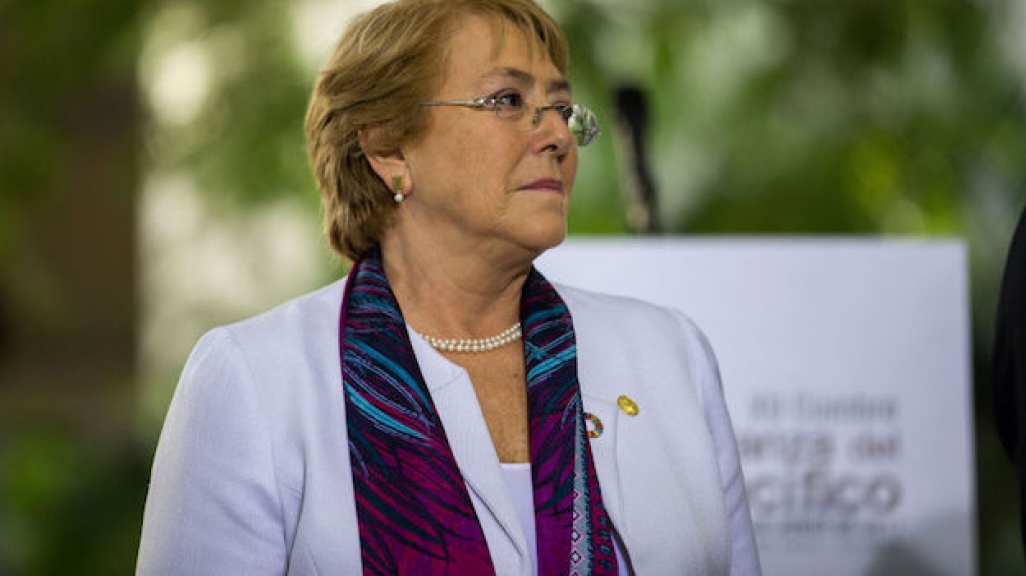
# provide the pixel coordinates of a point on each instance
(544, 184)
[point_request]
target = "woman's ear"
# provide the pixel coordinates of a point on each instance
(390, 166)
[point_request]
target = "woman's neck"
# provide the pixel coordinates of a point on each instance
(454, 293)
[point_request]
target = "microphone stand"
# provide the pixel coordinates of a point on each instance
(638, 187)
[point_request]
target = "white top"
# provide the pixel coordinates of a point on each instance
(252, 476)
(521, 488)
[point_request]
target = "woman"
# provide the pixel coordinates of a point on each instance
(444, 409)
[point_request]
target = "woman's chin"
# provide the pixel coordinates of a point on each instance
(545, 233)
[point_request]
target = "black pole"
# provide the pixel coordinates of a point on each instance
(639, 186)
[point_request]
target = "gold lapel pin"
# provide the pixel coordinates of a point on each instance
(628, 405)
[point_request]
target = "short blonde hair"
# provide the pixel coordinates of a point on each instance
(388, 62)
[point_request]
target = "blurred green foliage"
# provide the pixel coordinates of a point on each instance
(246, 143)
(71, 506)
(810, 117)
(768, 116)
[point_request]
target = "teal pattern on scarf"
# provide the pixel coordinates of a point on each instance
(415, 515)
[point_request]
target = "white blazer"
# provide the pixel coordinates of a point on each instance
(251, 474)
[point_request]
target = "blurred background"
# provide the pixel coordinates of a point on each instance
(153, 184)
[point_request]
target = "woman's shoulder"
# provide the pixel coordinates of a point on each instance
(313, 312)
(614, 329)
(302, 327)
(624, 312)
(276, 358)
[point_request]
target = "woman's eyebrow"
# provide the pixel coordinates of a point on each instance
(527, 79)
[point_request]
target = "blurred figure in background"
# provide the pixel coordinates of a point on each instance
(1009, 363)
(445, 409)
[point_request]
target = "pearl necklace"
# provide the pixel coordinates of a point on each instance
(474, 345)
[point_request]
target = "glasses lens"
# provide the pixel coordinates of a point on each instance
(583, 124)
(509, 111)
(579, 118)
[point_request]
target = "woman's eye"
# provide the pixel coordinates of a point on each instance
(509, 100)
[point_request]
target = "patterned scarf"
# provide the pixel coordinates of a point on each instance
(414, 511)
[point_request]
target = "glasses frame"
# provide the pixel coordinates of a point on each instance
(584, 135)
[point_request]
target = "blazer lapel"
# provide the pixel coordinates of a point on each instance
(609, 449)
(604, 451)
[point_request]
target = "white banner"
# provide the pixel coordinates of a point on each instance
(846, 369)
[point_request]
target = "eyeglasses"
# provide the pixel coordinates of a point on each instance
(511, 107)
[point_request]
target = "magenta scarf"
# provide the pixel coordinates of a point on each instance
(415, 514)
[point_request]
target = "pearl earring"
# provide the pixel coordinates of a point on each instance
(397, 185)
